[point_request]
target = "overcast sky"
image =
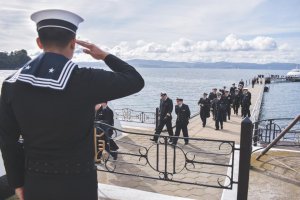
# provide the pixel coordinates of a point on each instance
(258, 31)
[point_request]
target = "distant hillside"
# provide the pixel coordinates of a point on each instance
(13, 60)
(220, 65)
(215, 65)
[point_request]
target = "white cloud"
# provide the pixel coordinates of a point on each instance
(170, 29)
(260, 49)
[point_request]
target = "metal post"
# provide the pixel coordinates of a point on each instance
(142, 117)
(156, 117)
(255, 134)
(245, 157)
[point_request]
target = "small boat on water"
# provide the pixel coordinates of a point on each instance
(293, 75)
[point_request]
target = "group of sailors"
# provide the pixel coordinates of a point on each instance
(220, 103)
(165, 119)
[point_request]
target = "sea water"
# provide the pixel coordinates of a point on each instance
(190, 83)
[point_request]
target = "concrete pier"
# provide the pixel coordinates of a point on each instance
(230, 132)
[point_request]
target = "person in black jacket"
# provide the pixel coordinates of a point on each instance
(204, 104)
(50, 103)
(232, 89)
(183, 115)
(212, 95)
(165, 116)
(219, 107)
(246, 102)
(228, 102)
(236, 101)
(106, 115)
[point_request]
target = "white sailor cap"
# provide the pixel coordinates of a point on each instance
(245, 88)
(163, 93)
(57, 19)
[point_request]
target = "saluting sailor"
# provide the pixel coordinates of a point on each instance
(50, 103)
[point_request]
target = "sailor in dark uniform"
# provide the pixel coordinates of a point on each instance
(165, 116)
(246, 102)
(236, 101)
(232, 89)
(50, 103)
(242, 83)
(106, 115)
(204, 104)
(183, 115)
(212, 95)
(219, 108)
(228, 102)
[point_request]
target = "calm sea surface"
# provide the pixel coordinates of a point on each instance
(190, 83)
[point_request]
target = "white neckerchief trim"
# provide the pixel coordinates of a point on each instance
(59, 84)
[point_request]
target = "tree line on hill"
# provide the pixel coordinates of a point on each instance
(14, 59)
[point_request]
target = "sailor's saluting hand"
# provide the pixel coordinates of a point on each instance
(93, 50)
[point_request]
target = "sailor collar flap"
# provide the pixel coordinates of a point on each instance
(48, 70)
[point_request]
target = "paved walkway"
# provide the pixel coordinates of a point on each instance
(275, 176)
(204, 151)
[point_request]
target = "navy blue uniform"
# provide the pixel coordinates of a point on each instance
(246, 102)
(50, 103)
(165, 117)
(106, 115)
(219, 108)
(236, 101)
(211, 97)
(204, 109)
(183, 115)
(228, 102)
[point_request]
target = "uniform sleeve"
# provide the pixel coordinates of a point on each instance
(123, 81)
(111, 117)
(188, 111)
(171, 106)
(176, 110)
(12, 151)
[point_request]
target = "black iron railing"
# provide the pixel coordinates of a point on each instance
(265, 131)
(186, 164)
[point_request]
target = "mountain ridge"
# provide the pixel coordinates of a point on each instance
(205, 65)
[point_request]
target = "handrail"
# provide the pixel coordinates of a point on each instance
(291, 125)
(274, 119)
(257, 106)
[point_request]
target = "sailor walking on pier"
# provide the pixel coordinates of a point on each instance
(246, 102)
(213, 95)
(220, 108)
(204, 104)
(232, 89)
(50, 103)
(228, 102)
(236, 101)
(165, 116)
(183, 115)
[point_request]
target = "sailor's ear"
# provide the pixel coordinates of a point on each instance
(73, 43)
(39, 43)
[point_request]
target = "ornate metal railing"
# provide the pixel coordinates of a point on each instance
(265, 131)
(129, 115)
(204, 162)
(165, 161)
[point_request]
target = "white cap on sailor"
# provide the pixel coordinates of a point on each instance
(56, 18)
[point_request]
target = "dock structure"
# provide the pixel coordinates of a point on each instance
(231, 132)
(261, 185)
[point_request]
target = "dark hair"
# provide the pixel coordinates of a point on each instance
(58, 37)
